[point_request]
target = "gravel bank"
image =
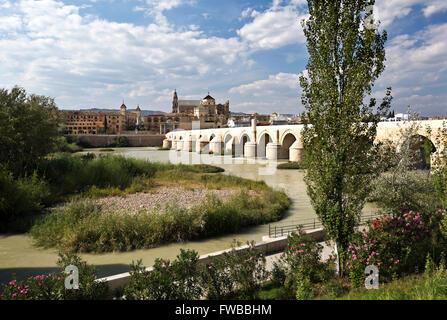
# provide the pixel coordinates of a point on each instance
(185, 198)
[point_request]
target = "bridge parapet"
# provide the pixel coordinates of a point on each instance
(281, 141)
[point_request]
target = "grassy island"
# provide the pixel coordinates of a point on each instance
(198, 202)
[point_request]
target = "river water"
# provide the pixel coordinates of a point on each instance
(19, 256)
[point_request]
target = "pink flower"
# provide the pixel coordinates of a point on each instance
(13, 282)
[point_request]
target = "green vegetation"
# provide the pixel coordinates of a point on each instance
(345, 58)
(432, 286)
(84, 226)
(20, 198)
(119, 142)
(292, 165)
(64, 146)
(237, 274)
(106, 149)
(29, 126)
(52, 286)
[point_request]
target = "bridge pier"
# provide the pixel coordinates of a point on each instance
(179, 145)
(250, 150)
(216, 145)
(296, 151)
(174, 145)
(166, 144)
(201, 145)
(187, 145)
(272, 151)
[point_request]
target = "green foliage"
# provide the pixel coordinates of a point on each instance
(415, 287)
(236, 273)
(74, 174)
(52, 286)
(64, 146)
(397, 245)
(177, 280)
(22, 197)
(304, 290)
(83, 226)
(335, 288)
(291, 165)
(401, 185)
(28, 129)
(345, 58)
(301, 263)
(439, 166)
(119, 142)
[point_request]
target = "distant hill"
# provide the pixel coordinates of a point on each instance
(143, 112)
(240, 113)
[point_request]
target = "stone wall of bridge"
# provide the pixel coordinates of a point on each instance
(278, 142)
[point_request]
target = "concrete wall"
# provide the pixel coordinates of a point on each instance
(139, 140)
(267, 246)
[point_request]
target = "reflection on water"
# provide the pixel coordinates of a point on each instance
(17, 254)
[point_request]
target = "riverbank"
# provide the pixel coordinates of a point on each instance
(18, 254)
(149, 204)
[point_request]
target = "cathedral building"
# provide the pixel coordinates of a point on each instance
(184, 112)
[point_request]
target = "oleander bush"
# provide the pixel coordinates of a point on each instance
(176, 280)
(52, 286)
(300, 265)
(397, 245)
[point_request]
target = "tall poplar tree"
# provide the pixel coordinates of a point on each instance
(346, 56)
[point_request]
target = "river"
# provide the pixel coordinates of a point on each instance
(19, 256)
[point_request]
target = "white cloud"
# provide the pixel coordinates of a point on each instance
(435, 7)
(275, 27)
(389, 10)
(61, 53)
(417, 69)
(279, 92)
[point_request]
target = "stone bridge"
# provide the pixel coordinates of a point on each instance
(278, 142)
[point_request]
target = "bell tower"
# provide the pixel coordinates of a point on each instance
(175, 103)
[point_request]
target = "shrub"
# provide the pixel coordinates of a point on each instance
(120, 142)
(396, 245)
(302, 261)
(304, 290)
(64, 146)
(237, 273)
(69, 174)
(52, 286)
(216, 279)
(292, 165)
(20, 198)
(166, 281)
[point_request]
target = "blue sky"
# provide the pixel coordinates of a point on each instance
(95, 53)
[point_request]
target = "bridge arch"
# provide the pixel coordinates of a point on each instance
(264, 139)
(286, 142)
(229, 144)
(421, 151)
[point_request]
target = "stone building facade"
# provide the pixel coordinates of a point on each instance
(184, 112)
(101, 122)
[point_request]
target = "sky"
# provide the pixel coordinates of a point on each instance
(97, 53)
